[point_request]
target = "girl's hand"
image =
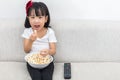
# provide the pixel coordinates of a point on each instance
(44, 52)
(33, 36)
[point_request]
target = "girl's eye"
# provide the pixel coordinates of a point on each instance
(40, 17)
(32, 17)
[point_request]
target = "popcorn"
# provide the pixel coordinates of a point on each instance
(38, 59)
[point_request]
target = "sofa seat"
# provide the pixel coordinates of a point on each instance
(80, 71)
(90, 71)
(13, 71)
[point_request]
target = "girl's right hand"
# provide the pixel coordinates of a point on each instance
(33, 36)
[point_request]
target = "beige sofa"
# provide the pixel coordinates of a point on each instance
(92, 47)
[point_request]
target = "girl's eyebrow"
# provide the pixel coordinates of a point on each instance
(35, 16)
(32, 15)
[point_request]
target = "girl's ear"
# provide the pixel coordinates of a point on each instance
(46, 18)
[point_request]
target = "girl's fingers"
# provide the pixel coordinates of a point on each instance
(35, 31)
(43, 55)
(43, 52)
(34, 35)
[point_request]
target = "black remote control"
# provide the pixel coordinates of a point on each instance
(67, 70)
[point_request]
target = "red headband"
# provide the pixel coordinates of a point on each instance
(28, 5)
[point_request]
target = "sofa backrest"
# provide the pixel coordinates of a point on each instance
(78, 40)
(11, 48)
(87, 40)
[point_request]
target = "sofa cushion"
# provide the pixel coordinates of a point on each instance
(82, 71)
(13, 71)
(90, 71)
(87, 40)
(11, 46)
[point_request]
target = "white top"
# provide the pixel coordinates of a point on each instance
(40, 43)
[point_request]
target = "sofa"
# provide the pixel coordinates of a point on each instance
(91, 46)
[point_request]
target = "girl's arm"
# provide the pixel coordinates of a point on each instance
(52, 49)
(28, 42)
(27, 45)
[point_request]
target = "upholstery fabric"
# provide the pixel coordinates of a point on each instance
(82, 71)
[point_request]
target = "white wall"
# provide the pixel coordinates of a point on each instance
(66, 9)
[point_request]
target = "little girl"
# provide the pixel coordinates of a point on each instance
(39, 37)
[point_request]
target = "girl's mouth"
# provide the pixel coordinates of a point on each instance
(36, 26)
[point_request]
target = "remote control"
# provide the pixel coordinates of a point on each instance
(67, 70)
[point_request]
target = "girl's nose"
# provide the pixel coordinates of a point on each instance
(36, 20)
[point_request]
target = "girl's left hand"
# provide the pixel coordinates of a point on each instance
(44, 52)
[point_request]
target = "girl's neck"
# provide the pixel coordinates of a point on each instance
(42, 32)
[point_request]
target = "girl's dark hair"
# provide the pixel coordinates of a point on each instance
(40, 10)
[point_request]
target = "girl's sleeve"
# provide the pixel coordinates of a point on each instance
(25, 34)
(52, 37)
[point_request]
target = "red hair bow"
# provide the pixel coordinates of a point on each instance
(28, 5)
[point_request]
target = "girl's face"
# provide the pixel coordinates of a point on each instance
(37, 22)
